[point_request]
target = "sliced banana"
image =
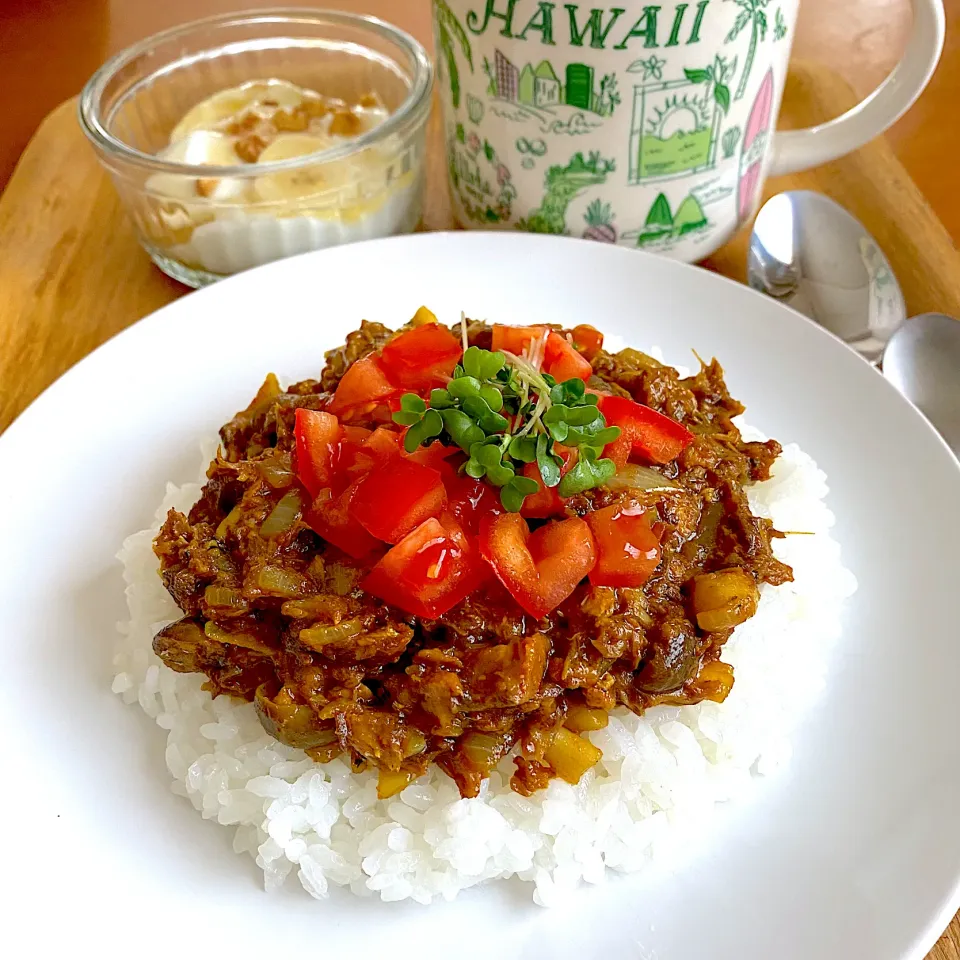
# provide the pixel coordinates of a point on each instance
(305, 181)
(227, 104)
(201, 148)
(287, 146)
(207, 147)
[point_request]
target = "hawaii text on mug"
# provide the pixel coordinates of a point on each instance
(648, 125)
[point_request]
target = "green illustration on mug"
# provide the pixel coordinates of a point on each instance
(483, 183)
(729, 141)
(530, 150)
(448, 28)
(682, 96)
(539, 91)
(651, 68)
(599, 218)
(562, 185)
(751, 14)
(780, 26)
(475, 109)
(676, 126)
(663, 228)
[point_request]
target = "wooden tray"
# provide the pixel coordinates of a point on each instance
(72, 275)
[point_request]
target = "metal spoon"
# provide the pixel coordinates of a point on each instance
(922, 360)
(810, 253)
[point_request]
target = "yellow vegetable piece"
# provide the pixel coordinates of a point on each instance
(571, 756)
(714, 681)
(391, 782)
(725, 599)
(581, 718)
(424, 316)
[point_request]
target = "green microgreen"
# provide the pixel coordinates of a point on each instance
(548, 463)
(588, 472)
(504, 413)
(515, 492)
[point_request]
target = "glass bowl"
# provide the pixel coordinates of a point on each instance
(368, 186)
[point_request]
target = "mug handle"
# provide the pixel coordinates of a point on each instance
(795, 150)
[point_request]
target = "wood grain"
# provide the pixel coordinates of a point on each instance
(72, 274)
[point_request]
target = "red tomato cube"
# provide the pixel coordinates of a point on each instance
(563, 362)
(469, 501)
(430, 570)
(628, 551)
(515, 339)
(397, 497)
(365, 384)
(421, 358)
(539, 570)
(317, 436)
(329, 516)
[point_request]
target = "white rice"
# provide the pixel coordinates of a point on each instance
(660, 775)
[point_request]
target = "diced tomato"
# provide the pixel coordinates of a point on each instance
(546, 502)
(469, 501)
(330, 517)
(628, 551)
(541, 569)
(365, 384)
(355, 435)
(515, 339)
(362, 450)
(438, 457)
(351, 461)
(317, 436)
(383, 444)
(563, 362)
(430, 570)
(397, 497)
(422, 357)
(588, 340)
(651, 435)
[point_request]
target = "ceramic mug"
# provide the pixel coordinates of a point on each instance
(645, 124)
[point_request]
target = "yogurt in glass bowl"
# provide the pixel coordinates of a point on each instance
(243, 138)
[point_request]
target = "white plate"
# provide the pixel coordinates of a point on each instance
(854, 851)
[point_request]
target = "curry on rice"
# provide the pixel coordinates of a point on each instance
(440, 555)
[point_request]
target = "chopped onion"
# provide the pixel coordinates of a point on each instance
(246, 640)
(283, 516)
(315, 607)
(483, 750)
(229, 522)
(281, 582)
(342, 578)
(226, 598)
(635, 477)
(318, 637)
(277, 472)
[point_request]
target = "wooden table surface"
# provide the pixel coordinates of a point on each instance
(54, 326)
